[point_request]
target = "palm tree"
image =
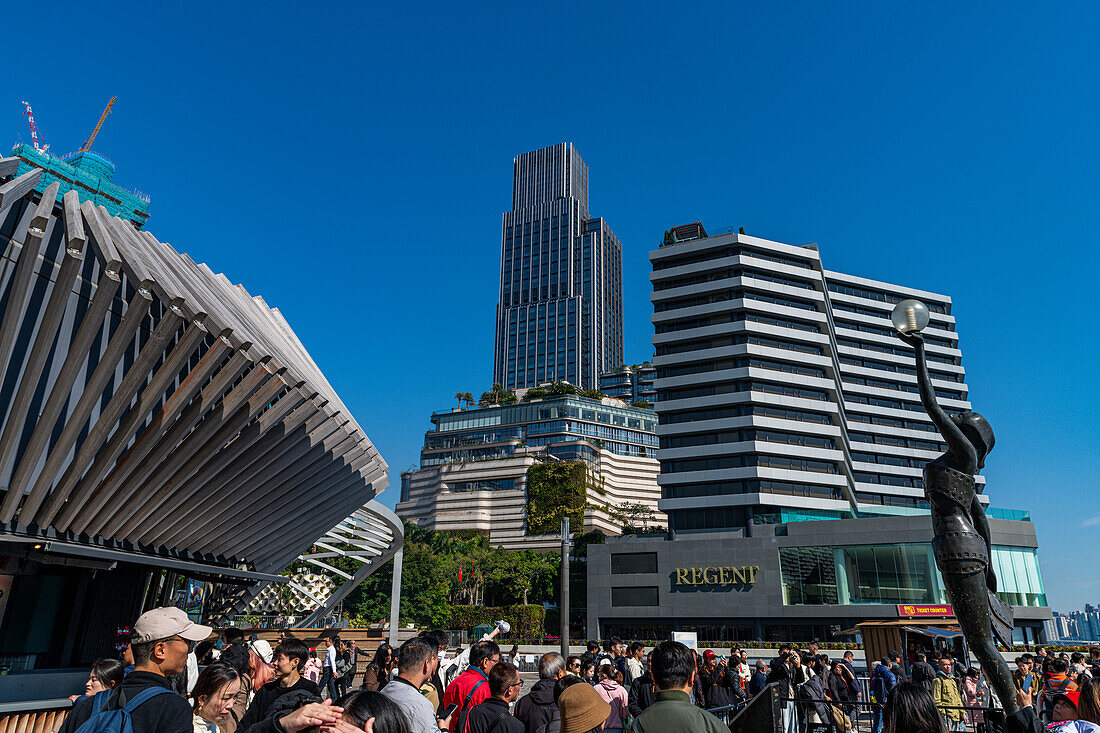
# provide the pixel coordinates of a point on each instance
(459, 396)
(468, 398)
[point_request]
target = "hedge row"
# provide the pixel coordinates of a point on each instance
(526, 621)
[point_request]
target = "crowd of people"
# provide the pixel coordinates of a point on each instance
(1054, 693)
(174, 678)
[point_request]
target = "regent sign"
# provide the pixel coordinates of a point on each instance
(726, 575)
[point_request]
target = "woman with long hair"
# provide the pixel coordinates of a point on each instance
(377, 673)
(258, 670)
(910, 709)
(105, 674)
(614, 694)
(213, 696)
(1088, 703)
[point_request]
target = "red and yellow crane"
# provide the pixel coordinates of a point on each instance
(102, 118)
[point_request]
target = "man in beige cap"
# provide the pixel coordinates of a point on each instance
(160, 642)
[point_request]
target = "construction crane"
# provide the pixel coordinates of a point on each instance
(34, 129)
(102, 118)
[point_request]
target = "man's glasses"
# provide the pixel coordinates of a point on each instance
(518, 683)
(190, 644)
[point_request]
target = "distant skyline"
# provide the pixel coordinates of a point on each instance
(948, 147)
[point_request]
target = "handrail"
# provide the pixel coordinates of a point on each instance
(25, 706)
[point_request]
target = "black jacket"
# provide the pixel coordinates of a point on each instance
(923, 674)
(641, 695)
(814, 689)
(490, 716)
(1024, 720)
(838, 688)
(162, 714)
(537, 707)
(782, 674)
(268, 694)
(719, 690)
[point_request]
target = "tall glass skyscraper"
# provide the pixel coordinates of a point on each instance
(560, 313)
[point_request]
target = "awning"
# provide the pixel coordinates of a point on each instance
(936, 632)
(192, 568)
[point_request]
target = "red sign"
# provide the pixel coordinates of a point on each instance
(908, 611)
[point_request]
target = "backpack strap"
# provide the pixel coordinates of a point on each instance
(466, 702)
(144, 696)
(99, 701)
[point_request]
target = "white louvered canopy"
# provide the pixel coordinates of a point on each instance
(152, 407)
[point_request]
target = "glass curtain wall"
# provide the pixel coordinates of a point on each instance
(895, 574)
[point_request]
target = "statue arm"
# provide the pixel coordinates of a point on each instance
(981, 524)
(957, 442)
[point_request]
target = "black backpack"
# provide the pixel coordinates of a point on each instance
(1049, 696)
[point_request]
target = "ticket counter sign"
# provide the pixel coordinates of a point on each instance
(914, 611)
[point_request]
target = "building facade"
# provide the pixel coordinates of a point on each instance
(559, 314)
(797, 581)
(633, 384)
(792, 439)
(475, 463)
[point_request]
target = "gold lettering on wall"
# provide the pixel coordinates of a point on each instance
(726, 575)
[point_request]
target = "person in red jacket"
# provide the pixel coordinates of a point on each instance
(472, 686)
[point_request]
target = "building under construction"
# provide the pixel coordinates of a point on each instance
(89, 174)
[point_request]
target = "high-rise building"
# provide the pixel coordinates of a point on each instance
(783, 390)
(559, 316)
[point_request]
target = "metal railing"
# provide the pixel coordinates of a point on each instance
(862, 715)
(33, 716)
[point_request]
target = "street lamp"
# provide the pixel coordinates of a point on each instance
(909, 316)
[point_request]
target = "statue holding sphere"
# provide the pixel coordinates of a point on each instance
(961, 540)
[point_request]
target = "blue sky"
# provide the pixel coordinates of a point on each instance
(351, 162)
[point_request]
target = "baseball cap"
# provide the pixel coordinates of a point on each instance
(162, 623)
(1070, 696)
(708, 654)
(263, 649)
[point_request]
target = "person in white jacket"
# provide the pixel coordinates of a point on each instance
(451, 668)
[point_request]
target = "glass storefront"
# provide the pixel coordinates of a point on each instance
(895, 574)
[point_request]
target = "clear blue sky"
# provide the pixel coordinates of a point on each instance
(350, 162)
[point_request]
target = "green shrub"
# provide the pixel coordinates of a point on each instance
(526, 621)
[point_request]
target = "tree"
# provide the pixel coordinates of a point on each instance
(669, 239)
(632, 515)
(497, 395)
(459, 396)
(519, 573)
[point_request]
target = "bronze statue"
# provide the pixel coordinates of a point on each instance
(961, 541)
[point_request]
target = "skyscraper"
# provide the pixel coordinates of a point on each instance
(560, 312)
(782, 389)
